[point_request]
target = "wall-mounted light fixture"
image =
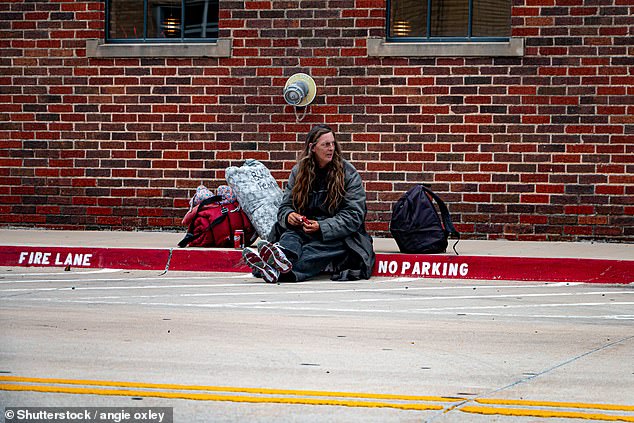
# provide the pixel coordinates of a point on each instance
(300, 91)
(171, 26)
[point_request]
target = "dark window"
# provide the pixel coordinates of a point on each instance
(161, 20)
(449, 20)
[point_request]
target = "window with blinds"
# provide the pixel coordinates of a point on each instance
(161, 20)
(449, 20)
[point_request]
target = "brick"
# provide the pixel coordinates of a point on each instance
(558, 119)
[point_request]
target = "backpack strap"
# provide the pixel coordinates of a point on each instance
(189, 237)
(449, 228)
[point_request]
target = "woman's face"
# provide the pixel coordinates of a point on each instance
(324, 149)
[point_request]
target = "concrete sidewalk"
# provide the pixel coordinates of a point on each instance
(496, 260)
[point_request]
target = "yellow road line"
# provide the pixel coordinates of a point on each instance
(309, 397)
(215, 397)
(264, 391)
(528, 403)
(545, 413)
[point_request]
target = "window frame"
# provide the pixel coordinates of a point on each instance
(390, 46)
(158, 47)
(429, 39)
(146, 40)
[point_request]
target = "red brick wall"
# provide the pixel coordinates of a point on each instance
(535, 148)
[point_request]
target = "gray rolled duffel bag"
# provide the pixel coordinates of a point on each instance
(258, 193)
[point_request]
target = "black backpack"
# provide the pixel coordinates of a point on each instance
(415, 224)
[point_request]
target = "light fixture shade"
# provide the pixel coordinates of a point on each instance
(401, 28)
(172, 26)
(300, 90)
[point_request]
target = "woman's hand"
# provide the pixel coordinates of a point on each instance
(295, 219)
(311, 226)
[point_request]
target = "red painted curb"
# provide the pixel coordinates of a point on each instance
(387, 264)
(208, 260)
(505, 268)
(84, 257)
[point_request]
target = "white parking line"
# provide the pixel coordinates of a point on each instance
(430, 311)
(357, 300)
(334, 284)
(61, 272)
(482, 297)
(556, 316)
(505, 306)
(129, 279)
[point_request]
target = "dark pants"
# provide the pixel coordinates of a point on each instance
(310, 256)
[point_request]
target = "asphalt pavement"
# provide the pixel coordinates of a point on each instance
(225, 347)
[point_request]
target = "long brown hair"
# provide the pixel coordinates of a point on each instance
(306, 173)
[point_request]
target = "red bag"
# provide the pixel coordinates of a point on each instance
(212, 224)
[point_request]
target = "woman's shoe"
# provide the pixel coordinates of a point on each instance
(273, 255)
(255, 262)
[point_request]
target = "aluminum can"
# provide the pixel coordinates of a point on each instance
(238, 239)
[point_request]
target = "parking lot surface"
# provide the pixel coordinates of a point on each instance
(227, 347)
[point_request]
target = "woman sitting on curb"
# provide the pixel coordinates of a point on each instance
(321, 220)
